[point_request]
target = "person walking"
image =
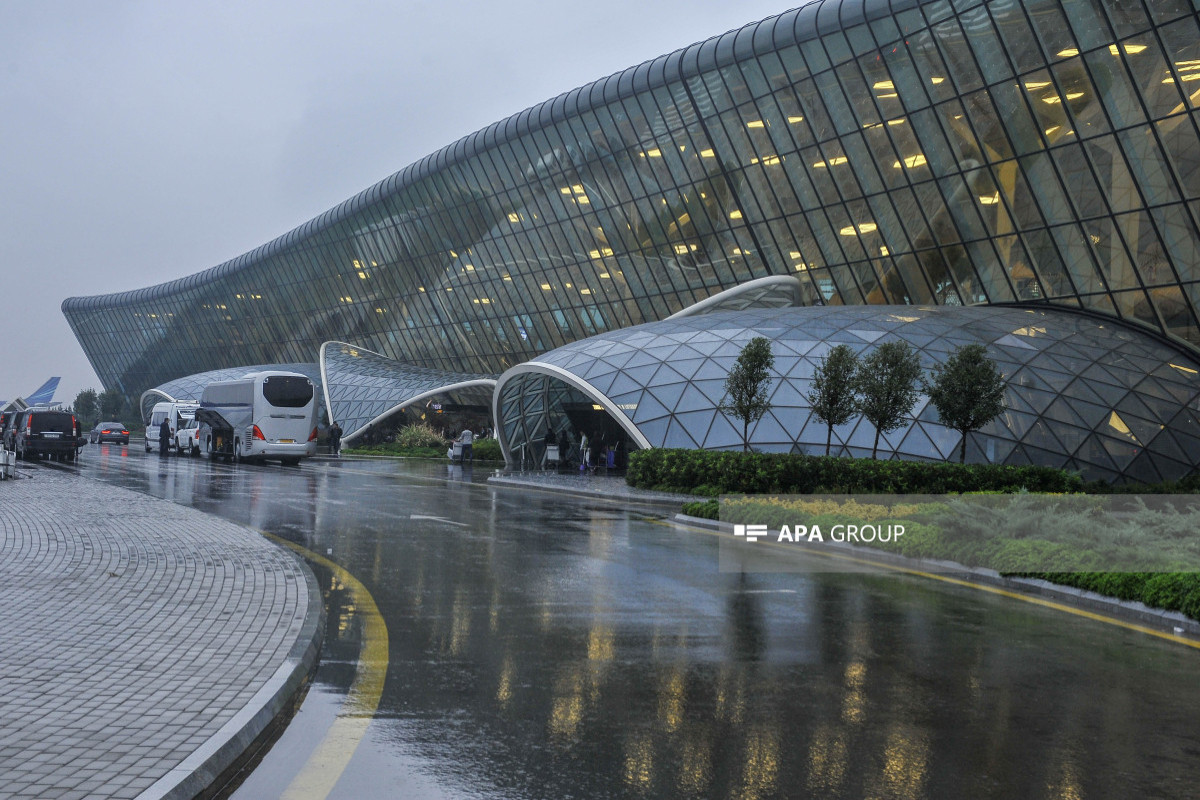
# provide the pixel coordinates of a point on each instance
(466, 439)
(164, 436)
(335, 439)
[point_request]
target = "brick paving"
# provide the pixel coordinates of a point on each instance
(143, 644)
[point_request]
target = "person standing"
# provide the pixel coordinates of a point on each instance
(164, 436)
(584, 461)
(466, 439)
(335, 439)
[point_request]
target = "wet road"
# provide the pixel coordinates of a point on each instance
(543, 647)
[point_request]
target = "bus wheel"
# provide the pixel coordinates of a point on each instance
(237, 451)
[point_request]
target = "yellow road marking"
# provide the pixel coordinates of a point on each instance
(1037, 601)
(327, 762)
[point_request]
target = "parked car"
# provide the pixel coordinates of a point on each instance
(187, 438)
(109, 432)
(41, 432)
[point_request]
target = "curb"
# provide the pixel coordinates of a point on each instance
(225, 748)
(665, 500)
(1172, 622)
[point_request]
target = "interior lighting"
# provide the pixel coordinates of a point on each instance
(585, 291)
(735, 214)
(885, 85)
(1069, 52)
(989, 199)
(654, 153)
(420, 288)
(936, 79)
(766, 160)
(1188, 370)
(794, 119)
(469, 267)
(362, 276)
(1052, 129)
(755, 123)
(508, 278)
(605, 275)
(347, 299)
(883, 251)
(865, 227)
(1130, 49)
(379, 311)
(1035, 85)
(514, 217)
(545, 287)
(833, 162)
(707, 153)
(886, 96)
(912, 162)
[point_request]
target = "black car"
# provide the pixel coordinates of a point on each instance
(109, 432)
(40, 432)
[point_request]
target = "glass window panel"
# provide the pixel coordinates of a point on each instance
(962, 201)
(1113, 174)
(1180, 241)
(1077, 95)
(1088, 22)
(1135, 305)
(1077, 175)
(1155, 82)
(1076, 254)
(1016, 196)
(1010, 22)
(957, 55)
(1127, 18)
(989, 52)
(1023, 131)
(1182, 148)
(1051, 28)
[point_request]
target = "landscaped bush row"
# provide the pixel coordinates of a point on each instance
(482, 450)
(714, 472)
(1171, 591)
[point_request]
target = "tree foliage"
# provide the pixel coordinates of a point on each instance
(746, 386)
(886, 381)
(833, 397)
(87, 408)
(112, 404)
(967, 391)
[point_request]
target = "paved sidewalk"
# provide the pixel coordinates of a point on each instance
(602, 486)
(144, 645)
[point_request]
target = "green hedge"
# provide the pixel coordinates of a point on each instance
(716, 472)
(1171, 591)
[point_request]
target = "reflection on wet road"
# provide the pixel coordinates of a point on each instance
(544, 647)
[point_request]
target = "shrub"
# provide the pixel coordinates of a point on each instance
(487, 450)
(705, 509)
(726, 472)
(419, 435)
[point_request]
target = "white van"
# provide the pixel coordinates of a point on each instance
(177, 414)
(260, 415)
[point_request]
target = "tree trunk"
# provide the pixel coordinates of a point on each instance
(828, 439)
(875, 448)
(745, 436)
(962, 451)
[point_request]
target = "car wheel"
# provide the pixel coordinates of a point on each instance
(195, 449)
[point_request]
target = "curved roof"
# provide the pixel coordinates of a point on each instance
(1082, 394)
(190, 387)
(363, 387)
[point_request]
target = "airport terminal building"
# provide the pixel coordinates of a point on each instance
(1025, 174)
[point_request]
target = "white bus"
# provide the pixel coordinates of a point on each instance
(258, 416)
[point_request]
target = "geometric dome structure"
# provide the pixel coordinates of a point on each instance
(1083, 393)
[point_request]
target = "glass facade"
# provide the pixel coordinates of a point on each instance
(1082, 393)
(904, 152)
(362, 387)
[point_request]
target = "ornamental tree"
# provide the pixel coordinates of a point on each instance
(746, 386)
(967, 391)
(833, 397)
(886, 380)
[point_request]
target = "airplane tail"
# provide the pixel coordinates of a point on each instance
(44, 394)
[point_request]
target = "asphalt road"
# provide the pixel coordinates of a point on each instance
(500, 643)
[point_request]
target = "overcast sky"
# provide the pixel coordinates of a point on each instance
(144, 141)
